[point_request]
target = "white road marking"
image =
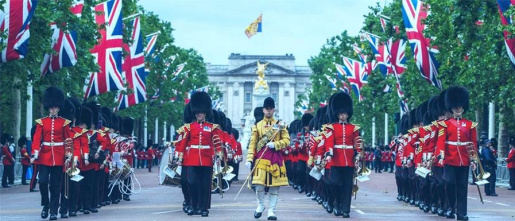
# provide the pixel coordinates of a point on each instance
(472, 198)
(488, 201)
(502, 204)
(171, 211)
(360, 212)
(353, 207)
(301, 198)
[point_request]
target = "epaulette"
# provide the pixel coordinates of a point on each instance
(181, 129)
(101, 133)
(410, 131)
(427, 128)
(474, 124)
(435, 123)
(356, 128)
(187, 126)
(442, 123)
(80, 133)
(330, 127)
(66, 122)
(38, 121)
(215, 126)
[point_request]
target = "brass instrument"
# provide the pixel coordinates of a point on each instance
(471, 149)
(169, 163)
(69, 164)
(360, 170)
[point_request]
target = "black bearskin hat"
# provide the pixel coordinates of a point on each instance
(114, 122)
(68, 110)
(457, 96)
(86, 117)
(319, 117)
(235, 133)
(306, 118)
(53, 97)
(186, 115)
(107, 115)
(258, 114)
(120, 123)
(201, 103)
(511, 141)
(405, 121)
(32, 132)
(413, 118)
(298, 127)
(222, 120)
(128, 126)
(427, 118)
(340, 103)
(6, 138)
(95, 109)
(421, 111)
(22, 141)
(228, 125)
(311, 124)
(78, 106)
(269, 103)
(441, 103)
(103, 119)
(293, 127)
(433, 108)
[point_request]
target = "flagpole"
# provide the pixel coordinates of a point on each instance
(131, 16)
(145, 129)
(386, 128)
(156, 131)
(152, 34)
(28, 116)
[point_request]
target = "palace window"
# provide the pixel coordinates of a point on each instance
(247, 97)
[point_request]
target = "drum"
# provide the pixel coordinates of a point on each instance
(168, 175)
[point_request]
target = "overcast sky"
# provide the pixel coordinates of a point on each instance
(215, 28)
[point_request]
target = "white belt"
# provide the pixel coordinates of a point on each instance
(457, 143)
(200, 146)
(343, 147)
(51, 144)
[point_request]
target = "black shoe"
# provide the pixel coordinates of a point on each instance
(319, 200)
(399, 197)
(324, 205)
(197, 212)
(433, 210)
(81, 210)
(185, 208)
(345, 215)
(86, 211)
(190, 211)
(295, 186)
(494, 194)
(308, 194)
(337, 212)
(127, 199)
(426, 209)
(417, 203)
(116, 201)
(512, 188)
(420, 205)
(272, 218)
(64, 215)
(450, 215)
(73, 213)
(34, 190)
(329, 208)
(6, 186)
(412, 202)
(53, 217)
(94, 210)
(205, 213)
(108, 202)
(440, 212)
(103, 204)
(465, 217)
(44, 212)
(258, 214)
(300, 189)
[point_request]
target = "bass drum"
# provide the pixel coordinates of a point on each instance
(166, 162)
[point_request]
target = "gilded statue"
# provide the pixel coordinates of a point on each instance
(261, 76)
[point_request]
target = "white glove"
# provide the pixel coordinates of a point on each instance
(248, 164)
(270, 145)
(36, 155)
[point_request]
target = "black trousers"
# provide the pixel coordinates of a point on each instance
(328, 188)
(378, 166)
(341, 177)
(50, 179)
(8, 175)
(199, 180)
(512, 178)
(301, 173)
(149, 165)
(105, 197)
(490, 186)
(128, 186)
(70, 204)
(438, 198)
(101, 184)
(456, 179)
(86, 190)
(185, 186)
(33, 180)
(398, 179)
(24, 174)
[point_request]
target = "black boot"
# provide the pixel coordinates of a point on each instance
(53, 217)
(329, 208)
(345, 215)
(460, 217)
(205, 213)
(44, 212)
(450, 215)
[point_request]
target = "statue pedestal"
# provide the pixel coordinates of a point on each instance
(259, 96)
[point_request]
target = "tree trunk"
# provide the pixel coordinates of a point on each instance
(16, 126)
(503, 134)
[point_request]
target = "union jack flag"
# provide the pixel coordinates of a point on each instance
(383, 19)
(63, 44)
(108, 51)
(323, 104)
(397, 56)
(180, 67)
(380, 52)
(413, 12)
(134, 70)
(332, 82)
(14, 23)
(404, 107)
(504, 5)
(151, 43)
(156, 95)
(356, 74)
(345, 88)
(360, 53)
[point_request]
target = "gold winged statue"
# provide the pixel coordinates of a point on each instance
(261, 76)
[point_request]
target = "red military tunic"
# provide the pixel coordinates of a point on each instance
(49, 137)
(453, 137)
(339, 141)
(511, 159)
(399, 149)
(103, 144)
(199, 144)
(25, 160)
(80, 144)
(304, 147)
(8, 157)
(409, 149)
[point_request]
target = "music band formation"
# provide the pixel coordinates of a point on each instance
(84, 153)
(82, 156)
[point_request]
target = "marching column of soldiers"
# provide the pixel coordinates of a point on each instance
(206, 150)
(334, 151)
(437, 148)
(73, 149)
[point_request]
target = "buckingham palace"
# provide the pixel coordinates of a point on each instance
(236, 81)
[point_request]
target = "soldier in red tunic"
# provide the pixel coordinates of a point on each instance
(342, 141)
(454, 136)
(511, 163)
(7, 160)
(25, 159)
(303, 155)
(201, 145)
(51, 134)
